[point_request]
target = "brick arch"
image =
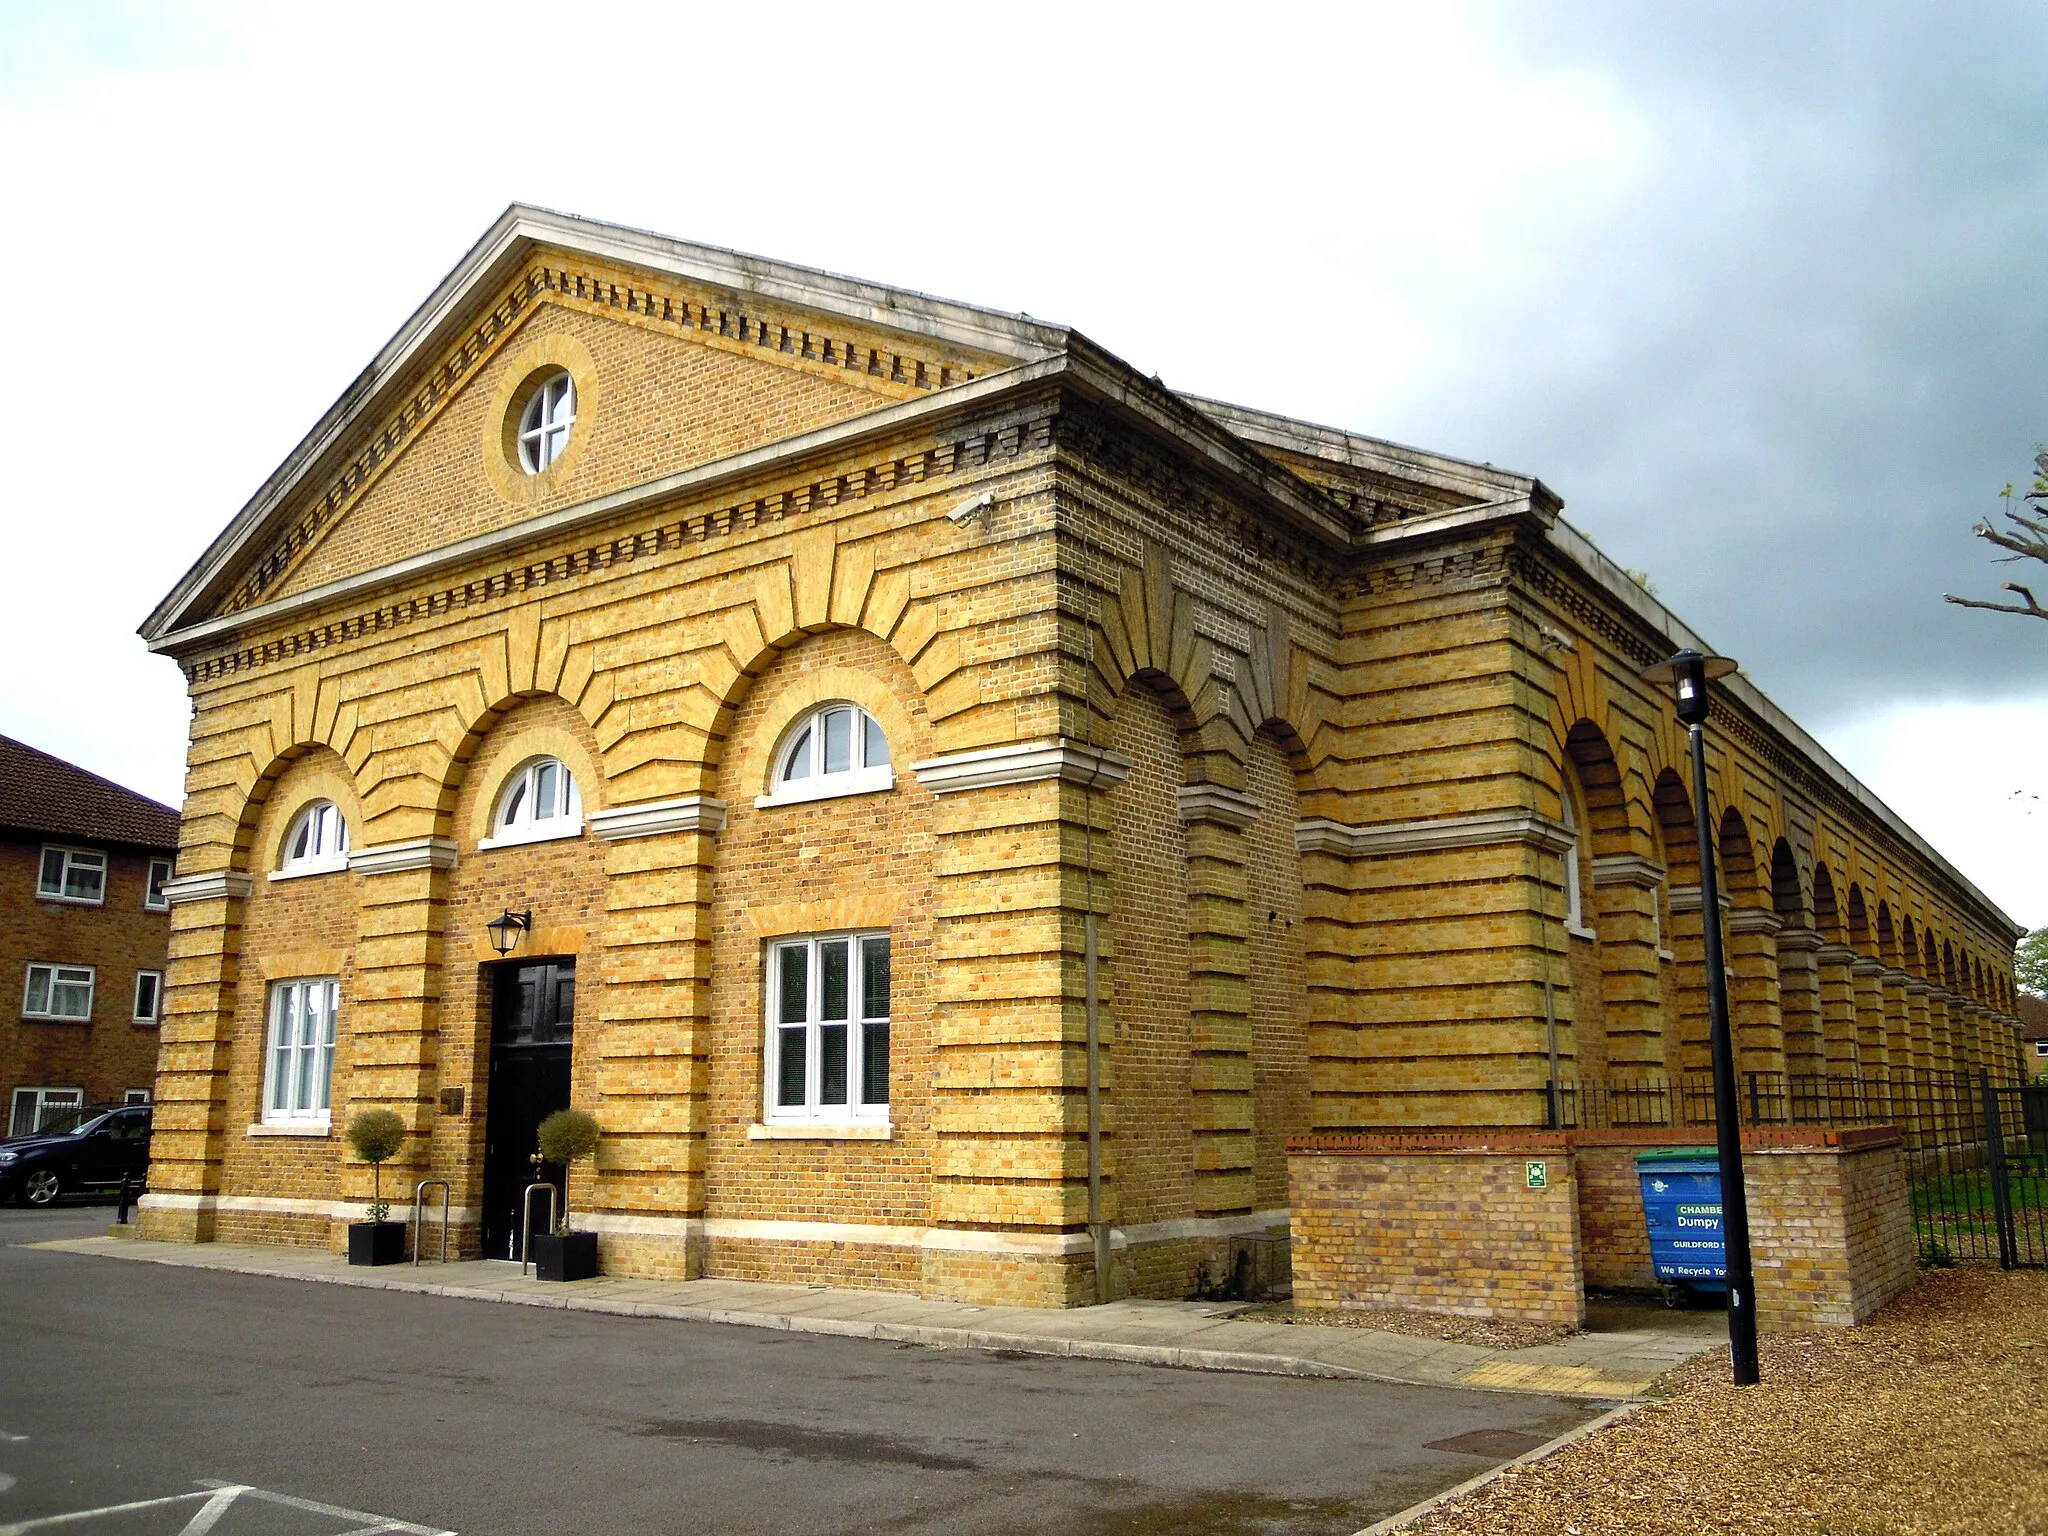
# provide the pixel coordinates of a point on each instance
(1827, 912)
(1738, 859)
(478, 727)
(1788, 893)
(337, 782)
(1887, 936)
(1676, 827)
(1591, 761)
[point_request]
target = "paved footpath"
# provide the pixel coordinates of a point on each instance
(1614, 1365)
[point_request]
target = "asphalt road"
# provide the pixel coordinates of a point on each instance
(125, 1383)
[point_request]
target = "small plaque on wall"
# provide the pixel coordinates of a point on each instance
(451, 1101)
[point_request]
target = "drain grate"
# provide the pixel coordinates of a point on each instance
(1493, 1444)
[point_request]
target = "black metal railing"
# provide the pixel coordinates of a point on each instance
(1977, 1148)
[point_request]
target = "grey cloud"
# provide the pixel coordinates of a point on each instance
(1790, 374)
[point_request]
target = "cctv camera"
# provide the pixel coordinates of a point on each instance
(974, 510)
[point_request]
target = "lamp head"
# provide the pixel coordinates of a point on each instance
(1688, 673)
(506, 927)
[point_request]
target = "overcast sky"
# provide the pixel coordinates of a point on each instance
(1758, 289)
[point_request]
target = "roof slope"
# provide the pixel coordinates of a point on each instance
(41, 793)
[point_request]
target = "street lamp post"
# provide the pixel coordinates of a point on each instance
(1688, 672)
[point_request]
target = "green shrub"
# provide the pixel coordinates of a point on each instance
(376, 1135)
(568, 1134)
(565, 1136)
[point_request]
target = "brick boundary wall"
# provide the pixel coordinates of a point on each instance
(1443, 1222)
(1439, 1223)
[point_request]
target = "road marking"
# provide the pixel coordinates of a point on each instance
(209, 1515)
(13, 1439)
(21, 1527)
(364, 1518)
(219, 1496)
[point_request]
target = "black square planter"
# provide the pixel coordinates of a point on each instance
(571, 1257)
(376, 1242)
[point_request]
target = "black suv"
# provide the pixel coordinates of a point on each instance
(92, 1148)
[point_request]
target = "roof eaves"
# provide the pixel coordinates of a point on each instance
(1482, 482)
(1634, 596)
(1107, 377)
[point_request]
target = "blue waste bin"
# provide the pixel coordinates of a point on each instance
(1682, 1207)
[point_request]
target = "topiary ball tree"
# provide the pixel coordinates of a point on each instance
(376, 1135)
(565, 1136)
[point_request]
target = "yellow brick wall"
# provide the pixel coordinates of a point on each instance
(657, 642)
(1453, 1230)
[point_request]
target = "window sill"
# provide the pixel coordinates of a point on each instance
(805, 1131)
(1669, 956)
(1578, 931)
(310, 868)
(147, 1023)
(300, 1128)
(520, 839)
(71, 901)
(864, 782)
(55, 1018)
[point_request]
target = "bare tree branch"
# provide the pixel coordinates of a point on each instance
(2027, 539)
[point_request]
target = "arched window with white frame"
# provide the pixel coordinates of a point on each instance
(540, 801)
(545, 423)
(836, 749)
(317, 843)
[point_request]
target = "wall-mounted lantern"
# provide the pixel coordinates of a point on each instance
(506, 927)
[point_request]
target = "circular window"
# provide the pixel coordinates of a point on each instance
(544, 424)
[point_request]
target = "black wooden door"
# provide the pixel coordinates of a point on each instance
(533, 1010)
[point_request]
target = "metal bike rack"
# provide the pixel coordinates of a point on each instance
(526, 1220)
(419, 1231)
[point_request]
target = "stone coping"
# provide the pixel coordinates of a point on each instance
(1511, 1143)
(1436, 1144)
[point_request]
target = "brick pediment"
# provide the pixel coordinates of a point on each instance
(670, 375)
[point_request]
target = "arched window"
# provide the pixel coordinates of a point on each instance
(545, 423)
(317, 843)
(836, 749)
(540, 801)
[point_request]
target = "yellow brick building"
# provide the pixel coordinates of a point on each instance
(1009, 798)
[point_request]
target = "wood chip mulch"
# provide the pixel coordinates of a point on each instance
(1931, 1418)
(1484, 1332)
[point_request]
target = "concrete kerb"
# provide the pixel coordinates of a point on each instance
(1302, 1362)
(1414, 1512)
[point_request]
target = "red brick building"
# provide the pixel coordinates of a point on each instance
(2033, 1016)
(84, 929)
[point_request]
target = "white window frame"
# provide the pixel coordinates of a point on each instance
(324, 829)
(2041, 1047)
(512, 819)
(298, 1051)
(858, 1024)
(155, 1015)
(153, 898)
(83, 858)
(546, 423)
(1574, 879)
(137, 1096)
(55, 975)
(803, 751)
(42, 1105)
